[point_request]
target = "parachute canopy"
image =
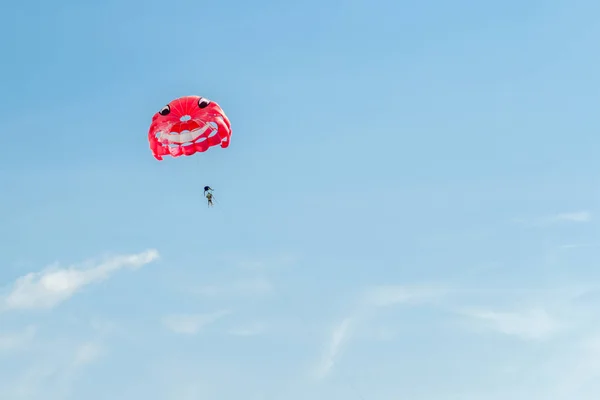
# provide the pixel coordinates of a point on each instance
(188, 125)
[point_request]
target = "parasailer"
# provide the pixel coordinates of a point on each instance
(186, 126)
(208, 194)
(209, 197)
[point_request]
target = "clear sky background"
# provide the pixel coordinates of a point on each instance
(407, 209)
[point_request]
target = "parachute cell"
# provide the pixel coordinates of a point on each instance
(188, 125)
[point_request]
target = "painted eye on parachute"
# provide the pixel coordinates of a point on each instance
(165, 110)
(203, 103)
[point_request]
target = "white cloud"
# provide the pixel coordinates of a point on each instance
(338, 337)
(274, 262)
(14, 341)
(51, 371)
(574, 246)
(188, 391)
(257, 286)
(389, 295)
(191, 324)
(374, 297)
(575, 217)
(248, 330)
(579, 216)
(87, 353)
(53, 286)
(527, 324)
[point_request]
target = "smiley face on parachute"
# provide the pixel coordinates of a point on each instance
(188, 125)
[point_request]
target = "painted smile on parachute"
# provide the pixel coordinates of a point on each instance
(183, 138)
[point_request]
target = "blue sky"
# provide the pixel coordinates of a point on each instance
(407, 208)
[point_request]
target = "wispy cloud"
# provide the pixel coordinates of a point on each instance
(372, 298)
(52, 369)
(191, 324)
(575, 372)
(389, 295)
(263, 264)
(574, 246)
(17, 340)
(257, 286)
(49, 288)
(247, 330)
(337, 337)
(528, 324)
(565, 217)
(579, 216)
(87, 353)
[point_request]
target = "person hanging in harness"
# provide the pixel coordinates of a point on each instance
(208, 195)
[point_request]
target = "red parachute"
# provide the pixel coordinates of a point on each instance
(188, 125)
